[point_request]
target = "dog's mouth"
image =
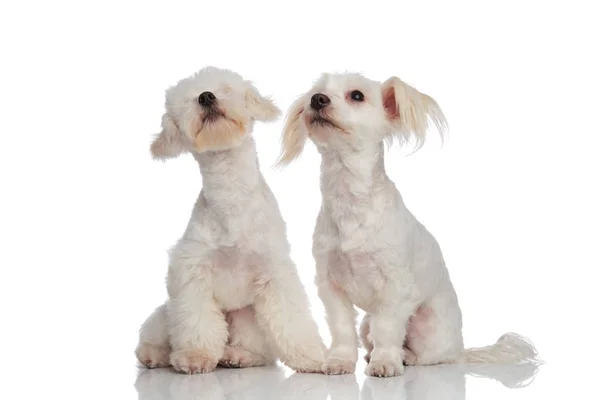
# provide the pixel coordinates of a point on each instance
(319, 120)
(212, 114)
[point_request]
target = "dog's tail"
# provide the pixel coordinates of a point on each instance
(511, 348)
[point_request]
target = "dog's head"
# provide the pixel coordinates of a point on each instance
(348, 112)
(210, 111)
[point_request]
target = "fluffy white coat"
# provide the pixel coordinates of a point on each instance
(370, 250)
(235, 297)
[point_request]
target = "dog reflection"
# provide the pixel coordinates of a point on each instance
(247, 383)
(270, 383)
(265, 383)
(445, 381)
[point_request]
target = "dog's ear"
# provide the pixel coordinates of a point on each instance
(261, 108)
(294, 134)
(409, 111)
(169, 142)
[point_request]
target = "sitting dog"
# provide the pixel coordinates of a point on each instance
(234, 295)
(370, 251)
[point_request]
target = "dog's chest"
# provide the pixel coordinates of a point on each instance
(234, 279)
(358, 275)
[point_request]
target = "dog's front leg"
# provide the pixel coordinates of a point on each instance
(341, 317)
(388, 325)
(282, 307)
(197, 327)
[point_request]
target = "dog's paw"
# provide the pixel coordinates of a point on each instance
(304, 365)
(238, 357)
(338, 367)
(308, 370)
(384, 369)
(153, 356)
(308, 359)
(193, 361)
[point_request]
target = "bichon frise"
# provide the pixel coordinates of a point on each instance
(234, 295)
(370, 251)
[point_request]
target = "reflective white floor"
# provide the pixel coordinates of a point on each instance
(422, 383)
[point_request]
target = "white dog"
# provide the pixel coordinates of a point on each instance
(234, 293)
(370, 251)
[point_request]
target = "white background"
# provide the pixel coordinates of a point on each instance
(86, 217)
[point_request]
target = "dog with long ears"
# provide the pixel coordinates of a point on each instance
(234, 295)
(370, 251)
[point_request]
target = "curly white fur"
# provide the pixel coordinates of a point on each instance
(370, 250)
(234, 293)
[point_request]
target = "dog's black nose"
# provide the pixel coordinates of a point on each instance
(206, 98)
(319, 101)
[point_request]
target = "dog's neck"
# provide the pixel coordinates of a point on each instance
(351, 177)
(230, 172)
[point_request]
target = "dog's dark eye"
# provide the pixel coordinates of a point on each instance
(357, 96)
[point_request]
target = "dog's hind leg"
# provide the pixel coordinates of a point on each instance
(153, 349)
(248, 345)
(435, 337)
(364, 337)
(434, 333)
